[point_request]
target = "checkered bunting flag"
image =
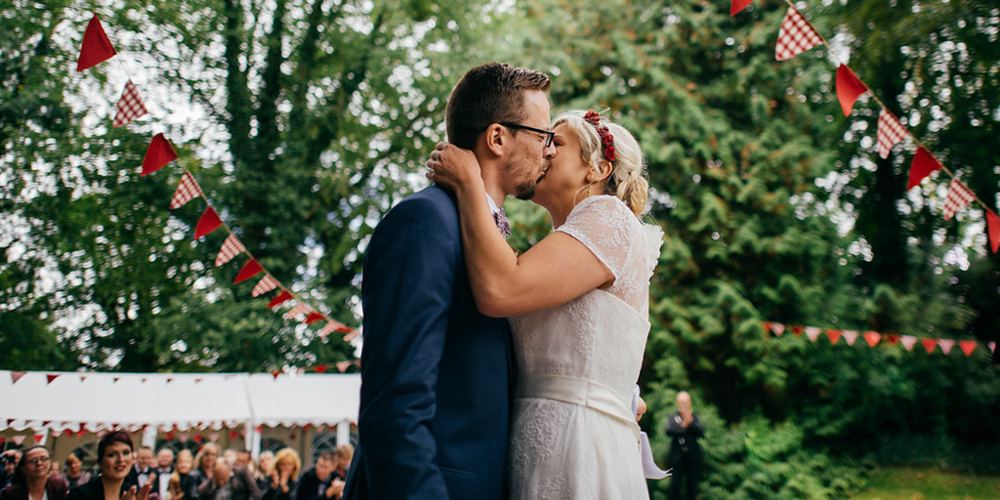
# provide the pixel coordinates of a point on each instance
(298, 310)
(795, 36)
(231, 248)
(130, 106)
(266, 284)
(890, 132)
(958, 196)
(187, 190)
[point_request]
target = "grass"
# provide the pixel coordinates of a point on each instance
(928, 484)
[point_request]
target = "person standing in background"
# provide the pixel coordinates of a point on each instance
(685, 457)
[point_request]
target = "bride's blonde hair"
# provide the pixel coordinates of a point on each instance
(628, 170)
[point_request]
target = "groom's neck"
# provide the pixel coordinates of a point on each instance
(492, 173)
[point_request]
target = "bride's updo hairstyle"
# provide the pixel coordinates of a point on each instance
(628, 172)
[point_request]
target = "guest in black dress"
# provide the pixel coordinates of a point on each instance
(115, 455)
(75, 475)
(284, 477)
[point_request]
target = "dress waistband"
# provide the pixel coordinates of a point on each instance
(579, 392)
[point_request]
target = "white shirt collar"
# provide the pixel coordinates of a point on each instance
(494, 208)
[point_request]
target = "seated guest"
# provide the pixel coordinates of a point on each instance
(265, 466)
(75, 475)
(115, 457)
(284, 475)
(319, 482)
(31, 479)
(229, 483)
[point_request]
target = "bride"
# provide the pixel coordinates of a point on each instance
(578, 303)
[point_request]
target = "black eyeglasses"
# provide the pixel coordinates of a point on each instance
(549, 134)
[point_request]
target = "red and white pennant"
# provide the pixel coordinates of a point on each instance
(187, 190)
(231, 248)
(266, 284)
(795, 36)
(130, 106)
(890, 132)
(958, 196)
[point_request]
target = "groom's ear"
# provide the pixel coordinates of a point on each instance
(495, 139)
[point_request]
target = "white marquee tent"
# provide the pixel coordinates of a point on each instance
(151, 403)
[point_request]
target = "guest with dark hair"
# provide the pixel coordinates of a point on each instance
(31, 478)
(229, 482)
(115, 457)
(319, 483)
(75, 475)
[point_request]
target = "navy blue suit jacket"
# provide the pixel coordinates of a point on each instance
(436, 375)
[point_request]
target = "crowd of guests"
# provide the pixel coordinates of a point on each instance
(129, 474)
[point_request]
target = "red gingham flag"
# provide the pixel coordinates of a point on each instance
(231, 248)
(187, 189)
(958, 196)
(890, 132)
(795, 36)
(300, 309)
(130, 106)
(266, 284)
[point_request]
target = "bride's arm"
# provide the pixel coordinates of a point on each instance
(556, 270)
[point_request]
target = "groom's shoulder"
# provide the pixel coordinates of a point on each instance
(432, 202)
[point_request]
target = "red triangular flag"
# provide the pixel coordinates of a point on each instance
(250, 269)
(38, 438)
(15, 376)
(321, 368)
(275, 374)
(834, 336)
(797, 330)
(51, 377)
(892, 338)
(923, 164)
(284, 296)
(738, 6)
(967, 346)
(198, 438)
(158, 155)
(849, 88)
(872, 338)
(993, 228)
(208, 222)
(314, 317)
(96, 46)
(929, 344)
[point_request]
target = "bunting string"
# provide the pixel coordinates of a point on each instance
(796, 35)
(873, 339)
(97, 48)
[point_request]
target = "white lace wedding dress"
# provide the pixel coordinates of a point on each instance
(574, 435)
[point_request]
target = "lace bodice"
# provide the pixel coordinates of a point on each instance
(627, 247)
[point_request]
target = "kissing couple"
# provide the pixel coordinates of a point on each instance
(491, 375)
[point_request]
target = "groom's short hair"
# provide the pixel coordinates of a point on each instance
(488, 94)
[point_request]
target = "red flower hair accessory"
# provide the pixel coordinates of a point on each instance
(607, 140)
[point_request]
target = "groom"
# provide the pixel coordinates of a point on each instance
(437, 376)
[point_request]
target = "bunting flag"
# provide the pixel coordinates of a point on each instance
(15, 376)
(923, 164)
(250, 269)
(849, 88)
(353, 334)
(321, 368)
(230, 248)
(314, 317)
(342, 366)
(834, 336)
(967, 346)
(18, 440)
(266, 284)
(958, 196)
(795, 36)
(929, 344)
(946, 345)
(993, 228)
(738, 6)
(813, 333)
(300, 309)
(797, 330)
(872, 338)
(158, 155)
(778, 329)
(187, 190)
(96, 46)
(282, 297)
(891, 338)
(208, 222)
(130, 106)
(890, 133)
(50, 377)
(850, 336)
(908, 341)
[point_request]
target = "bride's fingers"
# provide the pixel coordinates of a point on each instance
(440, 146)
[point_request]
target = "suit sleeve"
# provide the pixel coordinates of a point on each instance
(407, 293)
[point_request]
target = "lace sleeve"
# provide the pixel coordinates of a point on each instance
(606, 227)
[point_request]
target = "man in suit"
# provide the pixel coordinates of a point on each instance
(437, 376)
(319, 483)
